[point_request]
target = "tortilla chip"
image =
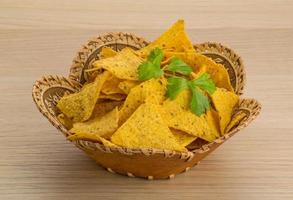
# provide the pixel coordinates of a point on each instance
(182, 138)
(169, 39)
(65, 121)
(152, 91)
(177, 115)
(91, 137)
(107, 52)
(127, 85)
(111, 86)
(103, 107)
(123, 66)
(79, 106)
(102, 126)
(235, 121)
(224, 102)
(146, 129)
(114, 97)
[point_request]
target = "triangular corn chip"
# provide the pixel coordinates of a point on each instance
(152, 91)
(91, 137)
(123, 66)
(102, 126)
(177, 115)
(65, 121)
(79, 106)
(146, 129)
(174, 39)
(224, 102)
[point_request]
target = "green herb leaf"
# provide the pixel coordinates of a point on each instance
(177, 65)
(175, 86)
(205, 83)
(151, 68)
(199, 102)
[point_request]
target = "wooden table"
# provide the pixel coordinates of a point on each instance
(41, 37)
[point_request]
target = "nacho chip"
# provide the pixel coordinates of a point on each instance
(107, 52)
(182, 138)
(177, 115)
(224, 102)
(111, 86)
(235, 121)
(174, 39)
(103, 107)
(123, 66)
(146, 129)
(65, 121)
(127, 85)
(79, 106)
(102, 126)
(91, 137)
(152, 91)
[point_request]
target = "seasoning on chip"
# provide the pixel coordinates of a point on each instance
(146, 129)
(79, 106)
(102, 126)
(224, 102)
(178, 116)
(152, 91)
(127, 85)
(123, 66)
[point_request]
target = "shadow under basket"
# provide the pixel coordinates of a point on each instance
(146, 163)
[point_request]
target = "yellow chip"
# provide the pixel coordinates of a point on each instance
(79, 106)
(224, 102)
(146, 129)
(235, 121)
(102, 126)
(103, 107)
(65, 121)
(107, 52)
(111, 86)
(182, 138)
(152, 91)
(173, 38)
(91, 137)
(177, 115)
(123, 66)
(127, 85)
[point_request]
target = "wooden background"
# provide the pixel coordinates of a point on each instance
(41, 37)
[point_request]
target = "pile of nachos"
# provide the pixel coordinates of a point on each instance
(163, 96)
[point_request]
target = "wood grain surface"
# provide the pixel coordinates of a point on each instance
(41, 37)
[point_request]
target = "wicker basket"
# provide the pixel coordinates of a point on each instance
(146, 163)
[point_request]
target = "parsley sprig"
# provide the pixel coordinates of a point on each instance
(179, 81)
